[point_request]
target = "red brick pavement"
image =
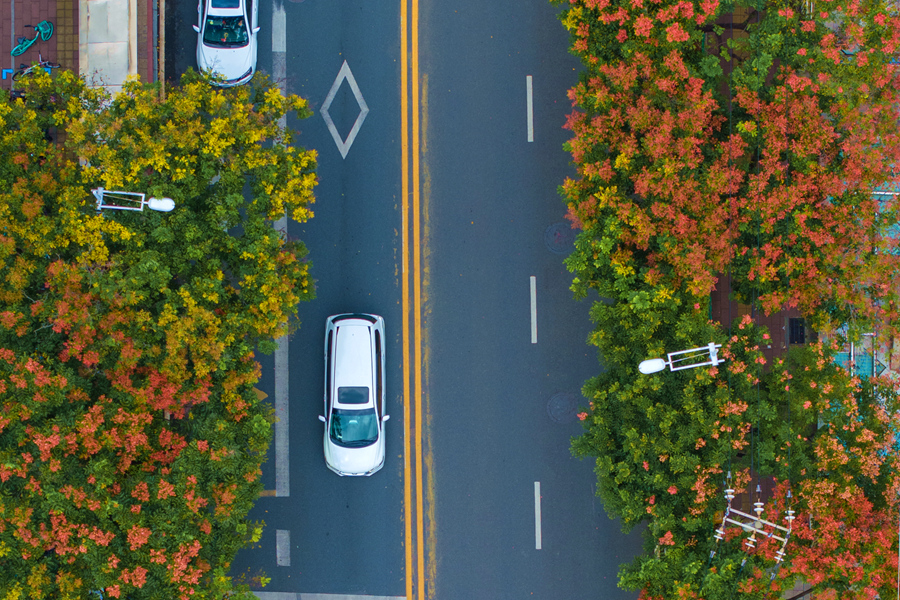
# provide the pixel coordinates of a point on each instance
(14, 15)
(725, 310)
(63, 46)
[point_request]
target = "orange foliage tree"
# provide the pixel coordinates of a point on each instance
(769, 154)
(130, 436)
(763, 162)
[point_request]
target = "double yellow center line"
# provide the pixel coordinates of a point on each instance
(413, 359)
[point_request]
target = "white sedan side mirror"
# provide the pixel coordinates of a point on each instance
(196, 28)
(321, 418)
(385, 418)
(256, 30)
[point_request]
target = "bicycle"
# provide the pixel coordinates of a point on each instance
(41, 64)
(44, 31)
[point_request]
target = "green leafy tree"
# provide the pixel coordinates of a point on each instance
(700, 152)
(762, 159)
(131, 439)
(664, 443)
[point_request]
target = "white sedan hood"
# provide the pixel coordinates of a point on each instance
(231, 63)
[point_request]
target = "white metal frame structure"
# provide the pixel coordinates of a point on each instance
(158, 204)
(707, 354)
(755, 524)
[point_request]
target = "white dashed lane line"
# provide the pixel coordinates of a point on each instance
(530, 110)
(533, 310)
(283, 547)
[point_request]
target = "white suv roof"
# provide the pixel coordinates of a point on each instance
(353, 355)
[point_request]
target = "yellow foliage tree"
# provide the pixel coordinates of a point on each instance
(130, 437)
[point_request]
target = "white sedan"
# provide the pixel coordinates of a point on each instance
(226, 39)
(354, 394)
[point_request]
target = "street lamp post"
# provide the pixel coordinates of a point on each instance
(686, 359)
(755, 523)
(158, 204)
(138, 198)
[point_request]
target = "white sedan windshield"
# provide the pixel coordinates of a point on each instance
(226, 32)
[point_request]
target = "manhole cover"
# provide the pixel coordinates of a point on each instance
(560, 238)
(561, 407)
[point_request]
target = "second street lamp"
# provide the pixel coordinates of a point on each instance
(684, 359)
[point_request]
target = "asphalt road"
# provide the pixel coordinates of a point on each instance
(503, 408)
(499, 409)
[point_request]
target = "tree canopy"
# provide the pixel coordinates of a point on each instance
(761, 159)
(131, 438)
(756, 140)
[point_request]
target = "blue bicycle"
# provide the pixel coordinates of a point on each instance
(44, 30)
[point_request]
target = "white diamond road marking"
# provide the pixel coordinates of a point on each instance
(344, 145)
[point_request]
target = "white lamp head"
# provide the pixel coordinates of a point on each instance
(160, 204)
(654, 365)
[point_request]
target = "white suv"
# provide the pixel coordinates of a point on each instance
(354, 394)
(226, 39)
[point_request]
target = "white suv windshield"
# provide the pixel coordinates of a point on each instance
(354, 428)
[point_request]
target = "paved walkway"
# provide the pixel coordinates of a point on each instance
(104, 40)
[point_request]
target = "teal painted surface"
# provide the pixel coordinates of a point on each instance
(863, 366)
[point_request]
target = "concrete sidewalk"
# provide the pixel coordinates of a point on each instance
(118, 38)
(104, 40)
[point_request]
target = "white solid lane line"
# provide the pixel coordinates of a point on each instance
(302, 596)
(279, 49)
(282, 479)
(537, 515)
(279, 39)
(530, 108)
(533, 310)
(282, 464)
